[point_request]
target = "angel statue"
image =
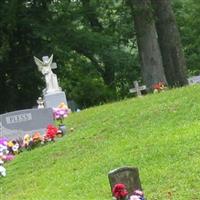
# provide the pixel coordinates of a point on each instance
(45, 67)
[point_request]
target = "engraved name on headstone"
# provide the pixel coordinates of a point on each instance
(18, 118)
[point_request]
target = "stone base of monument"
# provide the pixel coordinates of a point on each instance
(52, 100)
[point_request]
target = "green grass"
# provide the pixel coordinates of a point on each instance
(160, 134)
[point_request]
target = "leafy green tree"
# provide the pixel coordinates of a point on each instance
(18, 82)
(93, 43)
(98, 38)
(188, 14)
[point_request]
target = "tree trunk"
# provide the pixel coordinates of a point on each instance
(149, 51)
(170, 43)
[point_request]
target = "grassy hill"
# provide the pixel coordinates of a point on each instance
(160, 134)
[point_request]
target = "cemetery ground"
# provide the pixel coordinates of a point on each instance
(158, 133)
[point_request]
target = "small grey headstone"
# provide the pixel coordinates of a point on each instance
(129, 176)
(72, 105)
(194, 80)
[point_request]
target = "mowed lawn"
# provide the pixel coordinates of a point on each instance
(158, 133)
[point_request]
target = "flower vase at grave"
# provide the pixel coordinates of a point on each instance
(63, 128)
(59, 114)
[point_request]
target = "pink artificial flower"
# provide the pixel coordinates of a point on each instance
(60, 113)
(138, 192)
(137, 195)
(8, 157)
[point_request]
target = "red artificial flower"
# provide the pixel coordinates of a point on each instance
(159, 86)
(51, 132)
(119, 191)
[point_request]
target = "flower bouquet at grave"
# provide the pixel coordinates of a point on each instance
(14, 147)
(5, 155)
(2, 169)
(159, 87)
(3, 141)
(59, 113)
(137, 195)
(3, 147)
(50, 133)
(28, 142)
(37, 139)
(119, 192)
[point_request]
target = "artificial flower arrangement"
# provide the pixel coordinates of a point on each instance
(6, 153)
(50, 133)
(159, 87)
(37, 139)
(2, 169)
(120, 193)
(3, 155)
(10, 148)
(15, 147)
(61, 112)
(28, 142)
(32, 142)
(137, 195)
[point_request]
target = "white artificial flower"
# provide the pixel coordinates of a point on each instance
(2, 171)
(15, 147)
(1, 148)
(134, 197)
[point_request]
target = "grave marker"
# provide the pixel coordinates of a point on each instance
(18, 123)
(52, 94)
(194, 80)
(137, 88)
(129, 176)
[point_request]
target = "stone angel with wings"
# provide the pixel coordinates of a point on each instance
(45, 67)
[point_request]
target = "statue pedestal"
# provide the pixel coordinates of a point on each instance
(52, 100)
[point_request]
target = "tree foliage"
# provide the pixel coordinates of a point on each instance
(93, 42)
(188, 18)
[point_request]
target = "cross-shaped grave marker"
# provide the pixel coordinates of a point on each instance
(137, 88)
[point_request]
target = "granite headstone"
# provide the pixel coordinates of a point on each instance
(129, 176)
(18, 123)
(194, 80)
